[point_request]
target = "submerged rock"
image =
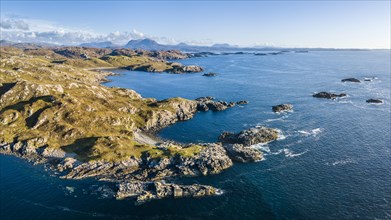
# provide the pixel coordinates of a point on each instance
(250, 137)
(374, 101)
(210, 74)
(328, 95)
(240, 153)
(242, 102)
(350, 80)
(282, 108)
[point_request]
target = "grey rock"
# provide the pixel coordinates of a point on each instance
(282, 108)
(328, 95)
(250, 137)
(378, 101)
(240, 153)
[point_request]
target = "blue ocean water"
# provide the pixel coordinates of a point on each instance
(333, 159)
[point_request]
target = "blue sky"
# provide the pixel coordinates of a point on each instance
(339, 24)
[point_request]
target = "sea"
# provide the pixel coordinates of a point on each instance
(332, 159)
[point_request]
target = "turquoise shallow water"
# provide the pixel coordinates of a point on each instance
(333, 160)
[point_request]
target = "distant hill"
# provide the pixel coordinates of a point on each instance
(104, 44)
(145, 44)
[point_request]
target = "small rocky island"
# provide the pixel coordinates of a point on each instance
(328, 95)
(55, 111)
(282, 108)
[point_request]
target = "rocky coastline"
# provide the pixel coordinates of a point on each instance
(59, 114)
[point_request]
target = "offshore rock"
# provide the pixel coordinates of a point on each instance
(350, 80)
(207, 103)
(328, 95)
(378, 101)
(282, 108)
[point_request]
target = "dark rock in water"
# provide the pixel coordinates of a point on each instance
(210, 74)
(260, 54)
(275, 53)
(243, 102)
(351, 80)
(374, 101)
(250, 137)
(282, 108)
(146, 191)
(240, 153)
(328, 95)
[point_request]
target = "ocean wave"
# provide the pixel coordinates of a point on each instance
(281, 135)
(277, 119)
(289, 153)
(341, 162)
(313, 132)
(262, 147)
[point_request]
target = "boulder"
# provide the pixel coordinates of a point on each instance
(328, 95)
(282, 108)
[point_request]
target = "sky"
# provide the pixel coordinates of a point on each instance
(327, 24)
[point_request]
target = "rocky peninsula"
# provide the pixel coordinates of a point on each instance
(54, 110)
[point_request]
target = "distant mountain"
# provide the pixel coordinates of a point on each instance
(6, 43)
(221, 45)
(104, 44)
(26, 44)
(145, 44)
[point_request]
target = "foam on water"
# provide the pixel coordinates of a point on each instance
(313, 132)
(341, 162)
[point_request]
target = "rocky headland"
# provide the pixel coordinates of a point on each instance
(54, 110)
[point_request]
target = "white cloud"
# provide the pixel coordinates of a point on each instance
(18, 29)
(14, 24)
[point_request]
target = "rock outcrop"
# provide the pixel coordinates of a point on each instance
(282, 108)
(240, 153)
(250, 137)
(207, 103)
(146, 191)
(180, 69)
(328, 95)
